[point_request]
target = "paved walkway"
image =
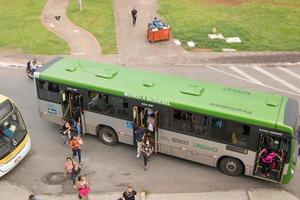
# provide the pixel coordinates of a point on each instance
(11, 191)
(82, 43)
(132, 42)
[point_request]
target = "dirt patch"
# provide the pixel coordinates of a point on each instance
(227, 2)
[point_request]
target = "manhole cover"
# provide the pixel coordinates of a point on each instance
(54, 178)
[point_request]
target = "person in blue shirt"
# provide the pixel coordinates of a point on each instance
(139, 137)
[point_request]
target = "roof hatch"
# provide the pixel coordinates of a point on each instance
(272, 103)
(193, 90)
(148, 83)
(107, 73)
(71, 69)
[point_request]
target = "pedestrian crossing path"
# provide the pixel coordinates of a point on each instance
(281, 78)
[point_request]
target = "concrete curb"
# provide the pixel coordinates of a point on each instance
(14, 191)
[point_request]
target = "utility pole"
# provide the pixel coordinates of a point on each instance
(80, 5)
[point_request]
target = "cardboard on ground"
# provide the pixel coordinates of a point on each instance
(191, 44)
(177, 42)
(216, 36)
(233, 40)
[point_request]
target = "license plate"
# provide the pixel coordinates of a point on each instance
(18, 159)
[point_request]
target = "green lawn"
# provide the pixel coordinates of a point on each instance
(98, 18)
(261, 25)
(22, 30)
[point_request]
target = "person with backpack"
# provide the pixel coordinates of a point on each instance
(71, 169)
(268, 160)
(75, 144)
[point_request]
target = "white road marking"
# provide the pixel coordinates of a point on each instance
(289, 72)
(218, 70)
(247, 76)
(267, 86)
(283, 82)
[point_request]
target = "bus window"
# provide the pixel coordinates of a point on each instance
(239, 134)
(48, 91)
(95, 102)
(200, 125)
(182, 121)
(116, 106)
(216, 123)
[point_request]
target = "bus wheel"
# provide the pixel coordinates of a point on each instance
(231, 166)
(108, 136)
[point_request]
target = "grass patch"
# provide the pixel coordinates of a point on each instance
(22, 30)
(261, 25)
(98, 18)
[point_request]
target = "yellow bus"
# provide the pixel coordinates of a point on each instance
(14, 138)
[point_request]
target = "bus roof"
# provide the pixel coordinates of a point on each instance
(242, 105)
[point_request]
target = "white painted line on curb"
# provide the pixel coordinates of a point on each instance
(283, 82)
(247, 76)
(289, 72)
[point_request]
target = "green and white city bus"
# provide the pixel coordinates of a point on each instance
(208, 123)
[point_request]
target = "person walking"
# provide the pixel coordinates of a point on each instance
(71, 169)
(146, 151)
(139, 137)
(75, 144)
(32, 197)
(83, 188)
(65, 131)
(129, 194)
(77, 120)
(134, 15)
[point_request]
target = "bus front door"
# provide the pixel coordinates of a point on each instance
(270, 157)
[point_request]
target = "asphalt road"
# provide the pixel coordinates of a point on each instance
(112, 168)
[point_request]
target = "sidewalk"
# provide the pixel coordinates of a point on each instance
(10, 191)
(82, 43)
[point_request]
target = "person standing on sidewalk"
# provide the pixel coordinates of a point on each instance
(146, 151)
(75, 144)
(83, 188)
(129, 194)
(139, 137)
(134, 16)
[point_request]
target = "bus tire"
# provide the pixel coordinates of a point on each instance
(231, 166)
(108, 136)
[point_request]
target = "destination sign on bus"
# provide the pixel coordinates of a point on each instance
(146, 98)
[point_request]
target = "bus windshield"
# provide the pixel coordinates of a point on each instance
(12, 132)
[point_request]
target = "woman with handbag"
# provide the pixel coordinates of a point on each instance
(83, 188)
(71, 169)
